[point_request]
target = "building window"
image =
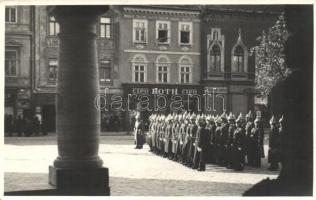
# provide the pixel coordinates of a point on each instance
(185, 74)
(139, 68)
(185, 69)
(105, 27)
(163, 67)
(52, 69)
(11, 62)
(53, 26)
(215, 59)
(11, 14)
(140, 31)
(105, 71)
(139, 73)
(238, 60)
(163, 31)
(185, 33)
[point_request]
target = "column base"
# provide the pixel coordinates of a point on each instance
(80, 180)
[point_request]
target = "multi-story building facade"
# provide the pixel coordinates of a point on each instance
(227, 35)
(18, 61)
(46, 66)
(159, 54)
(142, 50)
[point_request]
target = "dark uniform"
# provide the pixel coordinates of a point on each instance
(230, 142)
(274, 145)
(248, 128)
(238, 145)
(217, 142)
(139, 132)
(254, 145)
(200, 146)
(224, 141)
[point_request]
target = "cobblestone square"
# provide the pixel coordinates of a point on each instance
(133, 172)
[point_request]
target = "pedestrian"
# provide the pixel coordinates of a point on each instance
(36, 125)
(274, 145)
(28, 127)
(20, 126)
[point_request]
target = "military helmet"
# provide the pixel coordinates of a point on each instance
(240, 118)
(257, 120)
(249, 115)
(273, 120)
(281, 120)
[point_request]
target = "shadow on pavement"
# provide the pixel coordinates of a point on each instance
(121, 186)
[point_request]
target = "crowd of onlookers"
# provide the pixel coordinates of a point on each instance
(23, 126)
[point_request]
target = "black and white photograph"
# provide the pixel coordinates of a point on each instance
(177, 99)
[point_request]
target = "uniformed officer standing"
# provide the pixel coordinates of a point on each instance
(238, 145)
(139, 132)
(174, 136)
(182, 137)
(283, 148)
(177, 138)
(254, 145)
(168, 135)
(149, 133)
(193, 129)
(200, 145)
(217, 141)
(230, 141)
(249, 126)
(223, 140)
(274, 145)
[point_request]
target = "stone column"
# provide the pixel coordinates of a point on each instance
(78, 168)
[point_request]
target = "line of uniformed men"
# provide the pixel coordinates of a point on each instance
(195, 140)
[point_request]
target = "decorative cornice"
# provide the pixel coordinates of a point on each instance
(161, 11)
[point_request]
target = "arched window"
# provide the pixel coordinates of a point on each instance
(215, 59)
(163, 69)
(185, 69)
(139, 64)
(238, 60)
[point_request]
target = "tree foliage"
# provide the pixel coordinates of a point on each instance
(271, 68)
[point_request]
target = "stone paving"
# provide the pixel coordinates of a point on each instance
(133, 172)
